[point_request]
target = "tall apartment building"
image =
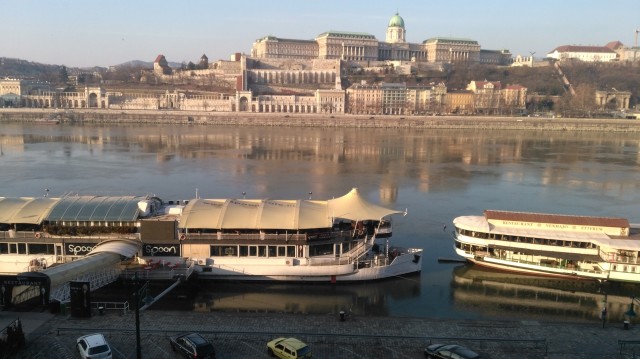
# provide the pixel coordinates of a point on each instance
(395, 99)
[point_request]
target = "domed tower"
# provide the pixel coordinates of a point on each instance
(395, 30)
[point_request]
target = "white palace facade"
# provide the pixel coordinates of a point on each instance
(359, 46)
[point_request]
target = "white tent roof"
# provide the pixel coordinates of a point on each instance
(278, 214)
(25, 210)
(356, 208)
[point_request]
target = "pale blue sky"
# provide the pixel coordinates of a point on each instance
(110, 32)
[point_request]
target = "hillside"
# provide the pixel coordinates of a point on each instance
(541, 80)
(17, 68)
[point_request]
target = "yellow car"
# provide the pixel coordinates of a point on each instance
(288, 348)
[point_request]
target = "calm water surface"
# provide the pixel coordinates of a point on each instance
(435, 174)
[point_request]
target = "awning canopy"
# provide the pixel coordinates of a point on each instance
(278, 214)
(96, 208)
(356, 208)
(25, 210)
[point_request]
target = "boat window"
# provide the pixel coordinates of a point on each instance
(320, 250)
(220, 251)
(244, 251)
(253, 251)
(13, 248)
(291, 251)
(4, 248)
(229, 250)
(282, 251)
(273, 251)
(40, 248)
(262, 251)
(216, 251)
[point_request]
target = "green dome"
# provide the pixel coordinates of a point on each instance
(396, 21)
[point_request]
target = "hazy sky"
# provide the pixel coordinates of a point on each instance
(87, 33)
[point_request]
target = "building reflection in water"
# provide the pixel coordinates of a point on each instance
(366, 299)
(426, 155)
(507, 295)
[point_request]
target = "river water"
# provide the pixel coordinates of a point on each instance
(435, 174)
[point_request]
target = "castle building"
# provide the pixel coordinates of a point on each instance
(161, 66)
(360, 46)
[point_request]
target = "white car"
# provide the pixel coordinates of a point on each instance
(93, 346)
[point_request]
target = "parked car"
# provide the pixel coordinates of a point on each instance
(450, 351)
(289, 348)
(193, 345)
(93, 346)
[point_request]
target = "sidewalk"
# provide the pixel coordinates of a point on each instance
(240, 335)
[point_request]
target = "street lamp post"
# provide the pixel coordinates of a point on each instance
(629, 313)
(603, 314)
(136, 299)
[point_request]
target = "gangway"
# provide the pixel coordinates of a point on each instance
(99, 267)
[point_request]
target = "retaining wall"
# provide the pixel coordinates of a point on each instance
(316, 120)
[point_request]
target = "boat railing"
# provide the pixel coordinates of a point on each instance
(595, 268)
(377, 260)
(329, 262)
(616, 257)
(25, 235)
(551, 263)
(161, 271)
(359, 251)
(262, 236)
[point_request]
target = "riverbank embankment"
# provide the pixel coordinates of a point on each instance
(238, 335)
(172, 117)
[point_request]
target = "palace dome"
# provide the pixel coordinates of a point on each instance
(396, 21)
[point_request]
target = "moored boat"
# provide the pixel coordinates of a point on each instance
(341, 239)
(582, 247)
(294, 240)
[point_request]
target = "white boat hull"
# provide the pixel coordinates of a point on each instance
(528, 268)
(296, 272)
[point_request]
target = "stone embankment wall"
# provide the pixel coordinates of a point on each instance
(313, 120)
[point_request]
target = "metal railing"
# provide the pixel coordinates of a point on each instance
(624, 343)
(124, 306)
(160, 273)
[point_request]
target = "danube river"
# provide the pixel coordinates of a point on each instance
(435, 174)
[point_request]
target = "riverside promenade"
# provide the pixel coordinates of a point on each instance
(244, 335)
(175, 117)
